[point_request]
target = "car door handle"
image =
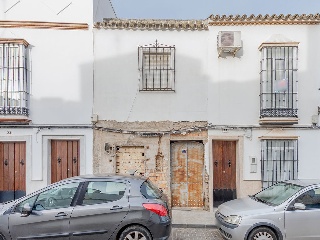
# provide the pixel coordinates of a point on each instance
(61, 214)
(116, 208)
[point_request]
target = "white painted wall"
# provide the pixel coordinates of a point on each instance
(75, 11)
(234, 83)
(117, 95)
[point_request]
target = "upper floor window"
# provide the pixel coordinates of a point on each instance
(156, 67)
(278, 80)
(14, 77)
(279, 160)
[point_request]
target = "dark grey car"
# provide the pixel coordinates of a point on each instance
(89, 207)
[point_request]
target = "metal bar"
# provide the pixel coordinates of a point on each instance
(161, 61)
(3, 72)
(168, 69)
(7, 83)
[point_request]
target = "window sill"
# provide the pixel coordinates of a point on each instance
(278, 121)
(13, 119)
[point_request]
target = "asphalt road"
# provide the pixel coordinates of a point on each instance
(195, 233)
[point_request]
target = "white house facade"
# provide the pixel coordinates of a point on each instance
(210, 110)
(46, 91)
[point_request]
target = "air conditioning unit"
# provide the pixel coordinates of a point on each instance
(229, 41)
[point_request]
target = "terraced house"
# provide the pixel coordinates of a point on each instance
(46, 81)
(210, 109)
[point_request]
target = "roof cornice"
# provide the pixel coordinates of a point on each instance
(296, 19)
(44, 25)
(152, 24)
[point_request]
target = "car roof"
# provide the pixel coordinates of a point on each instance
(304, 182)
(107, 176)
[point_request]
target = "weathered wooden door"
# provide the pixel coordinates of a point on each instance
(224, 171)
(187, 166)
(65, 157)
(12, 170)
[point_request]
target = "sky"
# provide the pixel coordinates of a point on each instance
(202, 9)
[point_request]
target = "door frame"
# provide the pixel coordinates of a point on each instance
(239, 162)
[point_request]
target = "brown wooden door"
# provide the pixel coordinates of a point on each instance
(187, 163)
(12, 170)
(64, 159)
(224, 171)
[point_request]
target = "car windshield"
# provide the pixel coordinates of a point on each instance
(277, 193)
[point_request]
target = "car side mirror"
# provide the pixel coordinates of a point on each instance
(299, 206)
(26, 210)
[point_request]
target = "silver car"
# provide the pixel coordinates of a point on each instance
(285, 210)
(89, 207)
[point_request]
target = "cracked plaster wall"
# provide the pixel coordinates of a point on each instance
(156, 148)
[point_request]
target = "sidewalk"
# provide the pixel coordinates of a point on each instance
(193, 218)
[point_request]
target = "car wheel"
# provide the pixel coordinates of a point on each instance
(51, 202)
(135, 233)
(262, 233)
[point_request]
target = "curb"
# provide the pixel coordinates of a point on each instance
(186, 225)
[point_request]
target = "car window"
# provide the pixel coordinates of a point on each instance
(311, 199)
(57, 197)
(277, 193)
(150, 191)
(103, 192)
(29, 201)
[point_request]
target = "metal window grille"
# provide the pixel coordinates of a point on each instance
(156, 67)
(14, 82)
(279, 161)
(278, 81)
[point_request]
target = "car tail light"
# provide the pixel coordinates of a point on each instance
(156, 208)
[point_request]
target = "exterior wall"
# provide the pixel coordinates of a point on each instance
(117, 95)
(221, 92)
(239, 76)
(124, 134)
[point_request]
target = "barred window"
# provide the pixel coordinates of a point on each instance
(279, 161)
(14, 83)
(156, 67)
(278, 81)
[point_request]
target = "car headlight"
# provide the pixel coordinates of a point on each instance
(233, 219)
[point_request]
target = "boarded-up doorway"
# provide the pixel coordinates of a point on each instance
(64, 159)
(224, 171)
(130, 159)
(187, 167)
(12, 170)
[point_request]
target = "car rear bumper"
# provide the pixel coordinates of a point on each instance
(160, 230)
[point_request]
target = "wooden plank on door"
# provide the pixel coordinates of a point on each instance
(179, 186)
(195, 174)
